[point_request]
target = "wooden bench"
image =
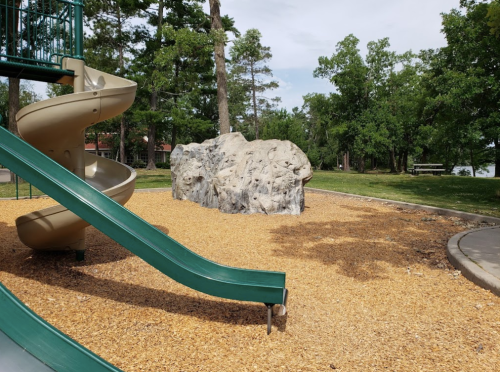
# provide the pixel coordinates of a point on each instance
(436, 169)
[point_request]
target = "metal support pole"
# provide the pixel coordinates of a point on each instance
(269, 317)
(78, 29)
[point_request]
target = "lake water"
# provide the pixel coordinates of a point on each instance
(490, 171)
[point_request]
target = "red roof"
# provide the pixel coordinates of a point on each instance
(91, 146)
(105, 146)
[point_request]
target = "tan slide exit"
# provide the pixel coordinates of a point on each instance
(56, 127)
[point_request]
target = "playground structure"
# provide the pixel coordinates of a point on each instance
(44, 41)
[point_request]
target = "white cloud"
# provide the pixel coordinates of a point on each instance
(299, 32)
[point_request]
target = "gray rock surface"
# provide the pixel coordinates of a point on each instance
(237, 176)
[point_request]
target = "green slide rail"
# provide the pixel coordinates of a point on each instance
(35, 35)
(135, 234)
(30, 344)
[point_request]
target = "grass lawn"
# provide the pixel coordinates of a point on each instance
(468, 194)
(153, 179)
(8, 190)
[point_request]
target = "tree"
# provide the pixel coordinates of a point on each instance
(113, 38)
(175, 70)
(248, 58)
(375, 110)
(466, 78)
(283, 125)
(220, 66)
(323, 146)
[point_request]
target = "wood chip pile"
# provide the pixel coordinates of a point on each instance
(370, 290)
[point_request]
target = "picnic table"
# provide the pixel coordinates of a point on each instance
(435, 169)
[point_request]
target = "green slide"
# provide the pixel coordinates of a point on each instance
(28, 343)
(135, 234)
(44, 348)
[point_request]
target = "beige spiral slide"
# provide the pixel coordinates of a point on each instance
(56, 127)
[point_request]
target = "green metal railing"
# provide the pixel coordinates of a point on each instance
(35, 35)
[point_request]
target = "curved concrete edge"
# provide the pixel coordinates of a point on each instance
(427, 208)
(469, 268)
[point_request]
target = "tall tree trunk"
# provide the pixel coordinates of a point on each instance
(96, 143)
(254, 102)
(220, 68)
(151, 147)
(154, 98)
(424, 155)
(347, 166)
(361, 168)
(151, 134)
(400, 162)
(14, 84)
(405, 160)
(123, 155)
(497, 157)
(121, 64)
(174, 137)
(392, 160)
(471, 154)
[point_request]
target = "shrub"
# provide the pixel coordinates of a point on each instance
(138, 164)
(464, 173)
(165, 165)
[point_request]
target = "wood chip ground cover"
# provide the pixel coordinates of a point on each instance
(370, 290)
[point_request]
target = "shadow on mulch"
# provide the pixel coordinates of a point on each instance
(358, 247)
(60, 269)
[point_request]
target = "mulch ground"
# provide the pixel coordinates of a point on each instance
(370, 290)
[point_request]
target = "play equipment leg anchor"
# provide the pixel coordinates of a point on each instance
(80, 255)
(269, 316)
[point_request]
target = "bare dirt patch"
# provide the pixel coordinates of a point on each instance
(370, 290)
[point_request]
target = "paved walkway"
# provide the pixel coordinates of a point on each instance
(476, 253)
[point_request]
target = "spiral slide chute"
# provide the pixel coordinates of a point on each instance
(56, 127)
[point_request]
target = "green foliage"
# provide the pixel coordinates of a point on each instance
(138, 164)
(163, 165)
(464, 89)
(247, 82)
(27, 96)
(374, 112)
(464, 172)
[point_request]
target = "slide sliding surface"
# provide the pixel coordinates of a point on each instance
(30, 344)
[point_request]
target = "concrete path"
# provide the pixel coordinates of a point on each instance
(476, 253)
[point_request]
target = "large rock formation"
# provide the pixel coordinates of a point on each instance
(237, 176)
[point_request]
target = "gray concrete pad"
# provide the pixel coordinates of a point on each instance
(476, 253)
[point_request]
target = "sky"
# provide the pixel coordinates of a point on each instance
(299, 32)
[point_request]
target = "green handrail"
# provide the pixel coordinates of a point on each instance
(35, 35)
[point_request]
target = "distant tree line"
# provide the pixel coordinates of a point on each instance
(386, 109)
